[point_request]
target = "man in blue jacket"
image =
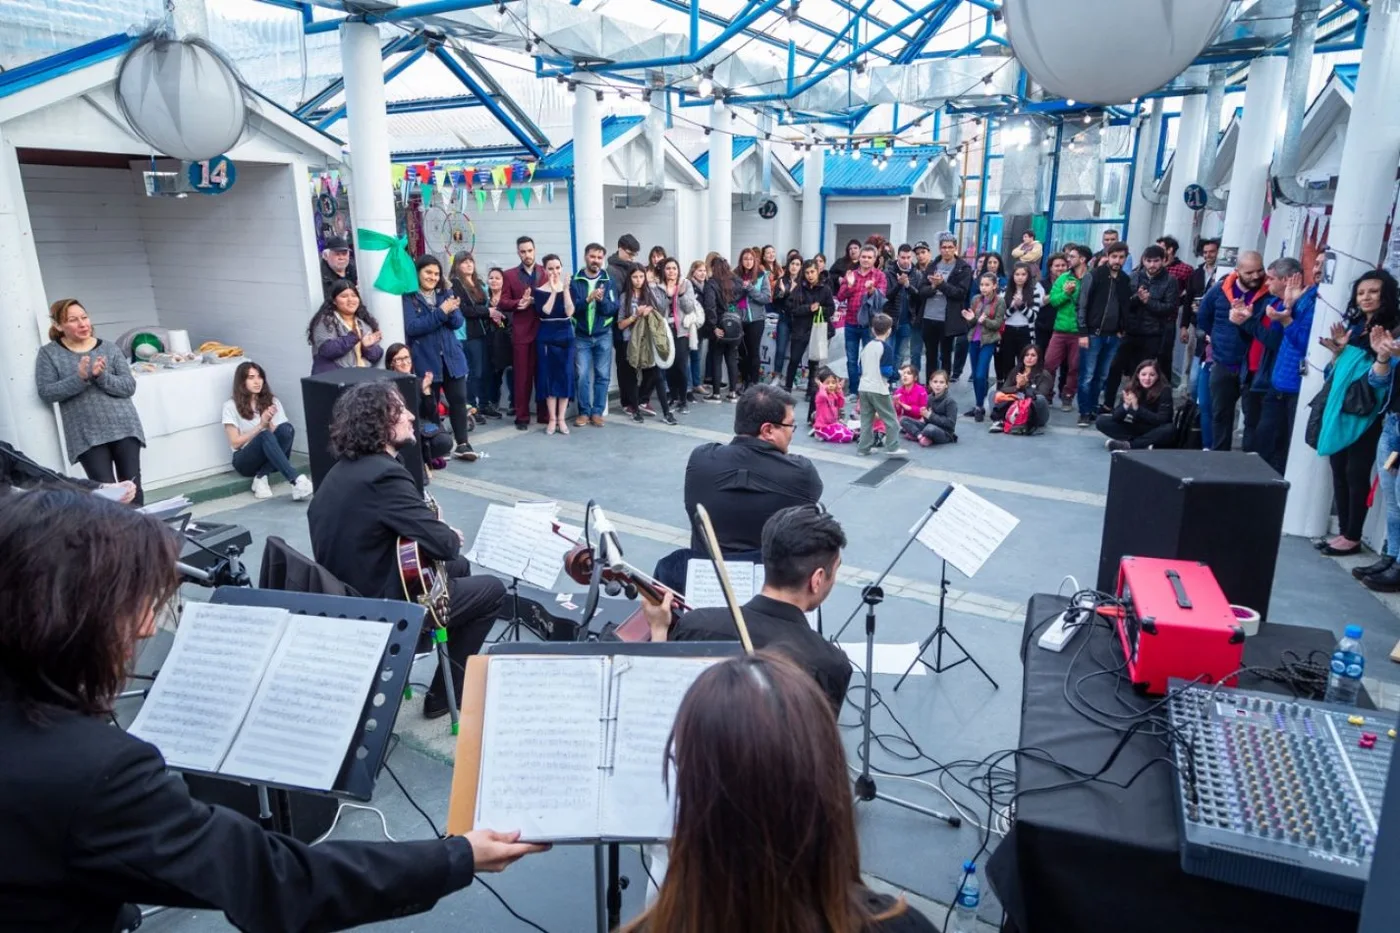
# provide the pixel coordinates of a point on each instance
(595, 298)
(1223, 310)
(1281, 324)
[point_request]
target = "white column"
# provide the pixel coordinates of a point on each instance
(371, 185)
(588, 170)
(25, 420)
(1254, 152)
(813, 177)
(1365, 193)
(1190, 142)
(721, 182)
(1140, 234)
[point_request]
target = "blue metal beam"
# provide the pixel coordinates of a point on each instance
(399, 44)
(755, 9)
(490, 103)
(930, 29)
(60, 63)
(422, 105)
(448, 155)
(413, 11)
(389, 75)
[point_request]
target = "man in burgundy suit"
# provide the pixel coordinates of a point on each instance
(518, 299)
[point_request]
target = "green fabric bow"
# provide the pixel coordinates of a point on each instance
(397, 276)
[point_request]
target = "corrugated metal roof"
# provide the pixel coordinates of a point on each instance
(1347, 75)
(742, 144)
(561, 161)
(861, 177)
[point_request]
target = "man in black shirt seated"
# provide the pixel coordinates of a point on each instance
(368, 501)
(743, 483)
(801, 552)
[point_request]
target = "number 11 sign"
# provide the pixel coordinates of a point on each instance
(213, 176)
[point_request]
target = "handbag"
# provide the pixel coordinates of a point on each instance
(818, 344)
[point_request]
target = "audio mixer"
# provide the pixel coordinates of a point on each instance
(1278, 794)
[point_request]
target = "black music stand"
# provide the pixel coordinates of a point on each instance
(609, 883)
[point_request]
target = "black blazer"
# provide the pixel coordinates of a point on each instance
(359, 512)
(741, 484)
(778, 625)
(90, 820)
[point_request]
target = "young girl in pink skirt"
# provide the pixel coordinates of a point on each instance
(829, 424)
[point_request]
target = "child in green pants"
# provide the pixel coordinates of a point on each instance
(874, 391)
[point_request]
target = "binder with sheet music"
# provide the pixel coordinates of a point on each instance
(567, 742)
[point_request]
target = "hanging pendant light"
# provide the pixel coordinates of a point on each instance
(182, 97)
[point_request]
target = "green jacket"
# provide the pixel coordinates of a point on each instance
(1065, 305)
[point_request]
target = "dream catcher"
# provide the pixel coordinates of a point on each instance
(447, 230)
(333, 221)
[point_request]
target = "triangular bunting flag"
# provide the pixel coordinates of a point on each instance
(320, 185)
(498, 176)
(440, 177)
(397, 172)
(526, 193)
(481, 199)
(425, 192)
(510, 196)
(447, 194)
(333, 184)
(496, 198)
(549, 192)
(508, 172)
(530, 169)
(464, 197)
(539, 191)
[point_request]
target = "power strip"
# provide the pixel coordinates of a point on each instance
(1062, 631)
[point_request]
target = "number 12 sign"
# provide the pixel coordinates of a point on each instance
(213, 176)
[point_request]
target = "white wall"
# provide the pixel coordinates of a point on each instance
(650, 225)
(926, 226)
(874, 213)
(90, 243)
(693, 209)
(546, 222)
(783, 231)
(231, 267)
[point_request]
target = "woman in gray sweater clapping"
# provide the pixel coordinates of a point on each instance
(92, 384)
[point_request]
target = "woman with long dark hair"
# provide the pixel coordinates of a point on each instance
(476, 334)
(724, 346)
(684, 314)
(755, 294)
(502, 352)
(655, 258)
(785, 284)
(435, 442)
(812, 305)
(91, 818)
(342, 333)
(765, 837)
(1349, 438)
(651, 347)
(260, 434)
(431, 318)
(1024, 296)
(1143, 416)
(1029, 381)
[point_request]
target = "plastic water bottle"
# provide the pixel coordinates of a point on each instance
(1348, 664)
(969, 896)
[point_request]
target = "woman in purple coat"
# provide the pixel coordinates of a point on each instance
(342, 332)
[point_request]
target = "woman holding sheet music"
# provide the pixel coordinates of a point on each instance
(765, 838)
(90, 819)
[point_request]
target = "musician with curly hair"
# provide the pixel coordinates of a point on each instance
(368, 501)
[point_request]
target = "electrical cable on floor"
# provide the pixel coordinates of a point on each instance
(383, 823)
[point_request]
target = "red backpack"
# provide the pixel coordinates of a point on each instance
(1018, 417)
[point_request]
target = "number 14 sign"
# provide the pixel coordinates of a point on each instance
(213, 176)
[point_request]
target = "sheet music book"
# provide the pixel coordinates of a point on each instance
(966, 529)
(573, 748)
(262, 694)
(520, 542)
(702, 587)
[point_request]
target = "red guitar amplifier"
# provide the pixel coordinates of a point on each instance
(1178, 624)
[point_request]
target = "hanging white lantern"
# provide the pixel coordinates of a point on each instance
(182, 97)
(1127, 52)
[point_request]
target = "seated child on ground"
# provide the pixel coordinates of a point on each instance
(937, 421)
(828, 424)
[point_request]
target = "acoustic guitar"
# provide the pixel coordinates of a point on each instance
(425, 581)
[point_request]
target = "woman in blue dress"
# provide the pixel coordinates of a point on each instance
(555, 343)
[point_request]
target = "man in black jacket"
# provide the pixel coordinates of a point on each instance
(1152, 312)
(1103, 306)
(801, 553)
(336, 264)
(368, 501)
(902, 302)
(945, 289)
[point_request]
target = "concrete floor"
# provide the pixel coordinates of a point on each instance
(1054, 484)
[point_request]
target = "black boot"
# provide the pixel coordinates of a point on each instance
(1381, 565)
(1387, 581)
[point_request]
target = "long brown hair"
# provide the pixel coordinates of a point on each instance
(58, 313)
(79, 575)
(765, 839)
(723, 277)
(243, 399)
(757, 265)
(1148, 396)
(474, 288)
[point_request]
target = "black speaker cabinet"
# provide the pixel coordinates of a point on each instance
(318, 395)
(1224, 509)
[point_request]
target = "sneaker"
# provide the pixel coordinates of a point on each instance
(637, 417)
(970, 413)
(1111, 444)
(1085, 420)
(669, 418)
(581, 421)
(732, 397)
(896, 452)
(262, 489)
(491, 411)
(463, 451)
(925, 441)
(996, 428)
(596, 421)
(301, 489)
(979, 414)
(1066, 405)
(647, 410)
(683, 409)
(522, 425)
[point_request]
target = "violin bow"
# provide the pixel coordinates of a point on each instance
(707, 530)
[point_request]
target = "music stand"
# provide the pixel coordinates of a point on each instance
(609, 882)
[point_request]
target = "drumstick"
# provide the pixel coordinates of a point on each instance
(712, 545)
